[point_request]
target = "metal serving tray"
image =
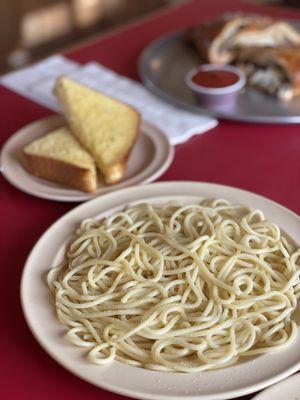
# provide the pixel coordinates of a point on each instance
(162, 68)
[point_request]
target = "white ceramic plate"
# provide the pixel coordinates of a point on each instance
(246, 377)
(288, 389)
(151, 155)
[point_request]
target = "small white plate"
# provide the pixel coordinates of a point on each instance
(288, 389)
(151, 155)
(246, 377)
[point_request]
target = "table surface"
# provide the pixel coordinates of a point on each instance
(261, 158)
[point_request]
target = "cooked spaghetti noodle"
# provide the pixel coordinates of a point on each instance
(178, 287)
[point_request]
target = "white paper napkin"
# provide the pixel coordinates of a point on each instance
(37, 82)
(23, 80)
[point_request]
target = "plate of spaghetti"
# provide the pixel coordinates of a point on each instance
(174, 289)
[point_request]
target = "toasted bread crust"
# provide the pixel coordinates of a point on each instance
(60, 172)
(211, 39)
(117, 171)
(112, 173)
(208, 36)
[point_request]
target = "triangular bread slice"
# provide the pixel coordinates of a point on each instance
(59, 157)
(105, 127)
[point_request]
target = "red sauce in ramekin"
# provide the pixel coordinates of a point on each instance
(215, 78)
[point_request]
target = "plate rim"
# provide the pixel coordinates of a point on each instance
(142, 67)
(130, 191)
(261, 395)
(153, 133)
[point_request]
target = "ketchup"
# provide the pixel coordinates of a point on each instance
(215, 78)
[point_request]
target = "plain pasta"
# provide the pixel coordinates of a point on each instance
(178, 287)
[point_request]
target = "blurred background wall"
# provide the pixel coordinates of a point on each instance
(33, 29)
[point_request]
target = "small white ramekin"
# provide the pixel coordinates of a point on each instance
(211, 96)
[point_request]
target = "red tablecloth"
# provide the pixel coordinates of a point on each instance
(261, 158)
